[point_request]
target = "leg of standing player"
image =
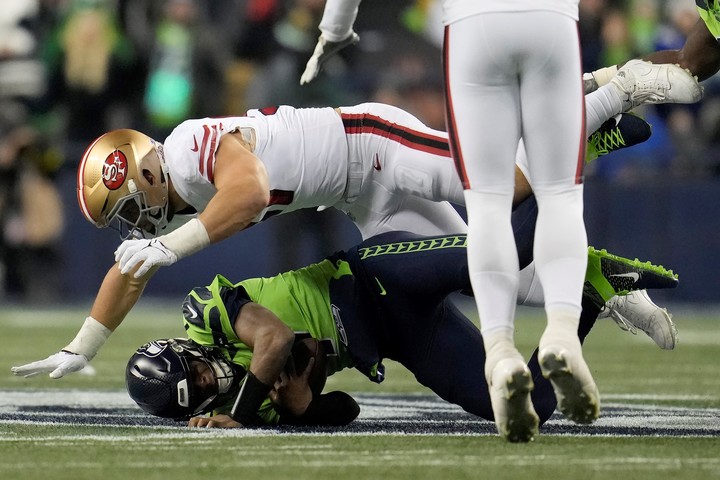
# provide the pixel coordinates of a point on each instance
(495, 98)
(484, 129)
(555, 157)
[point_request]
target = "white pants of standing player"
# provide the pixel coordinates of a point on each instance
(521, 78)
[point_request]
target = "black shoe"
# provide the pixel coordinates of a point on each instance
(621, 131)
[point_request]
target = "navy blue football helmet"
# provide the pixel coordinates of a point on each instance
(159, 378)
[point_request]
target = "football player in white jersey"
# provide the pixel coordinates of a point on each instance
(376, 162)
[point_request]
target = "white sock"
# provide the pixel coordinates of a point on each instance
(499, 344)
(600, 105)
(562, 327)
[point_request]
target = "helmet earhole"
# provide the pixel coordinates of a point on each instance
(149, 176)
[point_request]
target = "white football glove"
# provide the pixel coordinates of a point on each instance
(58, 364)
(149, 252)
(324, 50)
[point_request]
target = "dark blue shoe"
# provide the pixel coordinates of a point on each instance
(621, 131)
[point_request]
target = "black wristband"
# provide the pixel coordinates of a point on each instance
(252, 394)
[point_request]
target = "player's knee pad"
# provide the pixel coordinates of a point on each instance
(414, 182)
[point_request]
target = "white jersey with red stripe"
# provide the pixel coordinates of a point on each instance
(304, 152)
(454, 10)
(379, 164)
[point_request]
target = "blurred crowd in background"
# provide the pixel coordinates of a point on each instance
(71, 70)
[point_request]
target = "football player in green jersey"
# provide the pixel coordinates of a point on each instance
(387, 298)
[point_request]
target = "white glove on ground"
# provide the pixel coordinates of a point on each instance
(324, 50)
(149, 252)
(58, 364)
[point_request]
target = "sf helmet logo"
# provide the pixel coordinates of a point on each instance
(114, 170)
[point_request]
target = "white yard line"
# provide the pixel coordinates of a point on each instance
(380, 415)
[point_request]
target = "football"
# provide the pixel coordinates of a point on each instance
(303, 350)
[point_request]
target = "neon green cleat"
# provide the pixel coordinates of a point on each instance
(609, 275)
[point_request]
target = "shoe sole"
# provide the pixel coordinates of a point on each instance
(667, 327)
(522, 421)
(682, 79)
(660, 327)
(578, 402)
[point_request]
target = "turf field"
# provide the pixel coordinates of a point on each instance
(660, 416)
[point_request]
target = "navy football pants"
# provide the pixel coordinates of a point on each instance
(410, 278)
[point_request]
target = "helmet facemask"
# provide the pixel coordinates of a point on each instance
(204, 400)
(132, 217)
(161, 378)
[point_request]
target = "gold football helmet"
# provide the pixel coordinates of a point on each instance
(122, 178)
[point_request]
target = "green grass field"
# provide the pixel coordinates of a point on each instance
(628, 369)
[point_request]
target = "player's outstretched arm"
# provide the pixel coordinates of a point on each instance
(118, 294)
(242, 193)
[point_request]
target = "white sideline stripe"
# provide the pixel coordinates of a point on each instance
(65, 398)
(684, 421)
(109, 399)
(200, 434)
(647, 396)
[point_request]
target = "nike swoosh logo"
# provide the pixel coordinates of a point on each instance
(193, 313)
(195, 148)
(634, 275)
(376, 163)
(382, 289)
